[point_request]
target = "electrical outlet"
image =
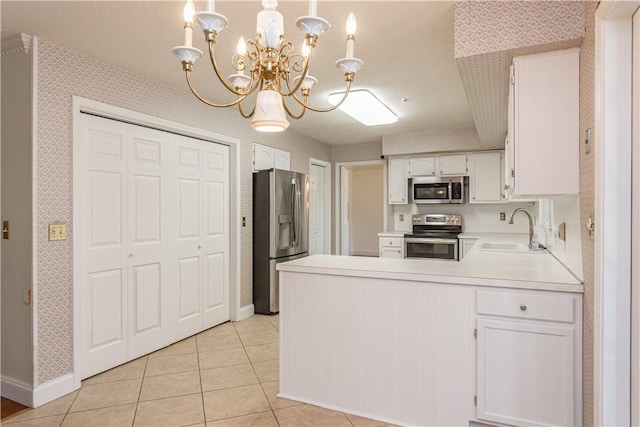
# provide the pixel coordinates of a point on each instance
(503, 216)
(57, 232)
(401, 217)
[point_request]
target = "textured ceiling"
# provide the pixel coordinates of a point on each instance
(407, 46)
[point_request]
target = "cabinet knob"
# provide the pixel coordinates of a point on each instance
(523, 307)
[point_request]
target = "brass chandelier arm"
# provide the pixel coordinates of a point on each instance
(206, 101)
(324, 110)
(302, 76)
(214, 63)
(243, 114)
(293, 116)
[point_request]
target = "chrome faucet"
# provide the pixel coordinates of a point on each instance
(530, 223)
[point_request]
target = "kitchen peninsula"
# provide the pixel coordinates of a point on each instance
(494, 338)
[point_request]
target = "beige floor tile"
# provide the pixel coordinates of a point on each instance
(364, 422)
(173, 411)
(117, 416)
(307, 415)
(172, 364)
(59, 406)
(220, 358)
(220, 342)
(259, 338)
(260, 353)
(51, 421)
(171, 385)
(224, 329)
(108, 394)
(128, 371)
(227, 377)
(185, 346)
(268, 370)
(275, 320)
(263, 419)
(234, 402)
(263, 325)
(271, 390)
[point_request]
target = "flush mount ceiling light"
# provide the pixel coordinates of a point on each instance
(363, 106)
(267, 64)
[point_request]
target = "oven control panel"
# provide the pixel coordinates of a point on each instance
(436, 219)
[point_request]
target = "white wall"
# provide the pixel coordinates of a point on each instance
(475, 218)
(366, 206)
(17, 358)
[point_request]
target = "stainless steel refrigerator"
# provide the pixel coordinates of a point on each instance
(280, 230)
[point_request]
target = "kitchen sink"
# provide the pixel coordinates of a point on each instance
(505, 247)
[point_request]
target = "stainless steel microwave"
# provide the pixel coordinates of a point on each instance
(436, 189)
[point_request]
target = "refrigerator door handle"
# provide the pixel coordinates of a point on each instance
(294, 225)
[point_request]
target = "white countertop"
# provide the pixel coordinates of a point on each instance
(392, 233)
(512, 270)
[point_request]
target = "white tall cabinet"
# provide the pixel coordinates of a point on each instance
(398, 181)
(543, 135)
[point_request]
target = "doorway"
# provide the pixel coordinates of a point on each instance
(360, 207)
(319, 207)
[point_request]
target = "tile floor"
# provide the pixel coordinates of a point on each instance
(224, 376)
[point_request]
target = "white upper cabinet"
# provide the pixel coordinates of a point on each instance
(265, 157)
(544, 132)
(486, 178)
(421, 166)
(398, 182)
(454, 164)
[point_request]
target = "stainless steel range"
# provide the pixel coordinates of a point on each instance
(433, 236)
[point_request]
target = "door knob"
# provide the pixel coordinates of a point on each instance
(523, 307)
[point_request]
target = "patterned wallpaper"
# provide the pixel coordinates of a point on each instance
(356, 152)
(587, 205)
(63, 73)
(488, 34)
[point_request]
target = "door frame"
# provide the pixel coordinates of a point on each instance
(326, 202)
(337, 198)
(84, 105)
(635, 228)
(613, 187)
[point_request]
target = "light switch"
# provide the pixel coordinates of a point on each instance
(401, 217)
(57, 232)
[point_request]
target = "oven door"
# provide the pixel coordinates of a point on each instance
(426, 247)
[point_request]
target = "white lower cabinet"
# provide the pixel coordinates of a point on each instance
(391, 247)
(528, 358)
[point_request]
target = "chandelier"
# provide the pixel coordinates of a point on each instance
(267, 64)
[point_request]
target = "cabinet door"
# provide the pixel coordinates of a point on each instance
(398, 183)
(263, 157)
(525, 373)
(390, 252)
(546, 128)
(455, 164)
(485, 183)
(420, 166)
(281, 159)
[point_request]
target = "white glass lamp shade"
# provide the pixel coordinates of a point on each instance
(186, 54)
(313, 25)
(212, 21)
(239, 81)
(307, 83)
(269, 115)
(350, 65)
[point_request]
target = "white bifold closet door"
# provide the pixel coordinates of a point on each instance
(154, 231)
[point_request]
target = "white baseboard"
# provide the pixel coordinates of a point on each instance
(53, 389)
(245, 312)
(17, 391)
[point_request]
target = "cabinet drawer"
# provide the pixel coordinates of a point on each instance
(393, 242)
(557, 308)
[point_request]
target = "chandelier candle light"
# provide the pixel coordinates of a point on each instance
(266, 64)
